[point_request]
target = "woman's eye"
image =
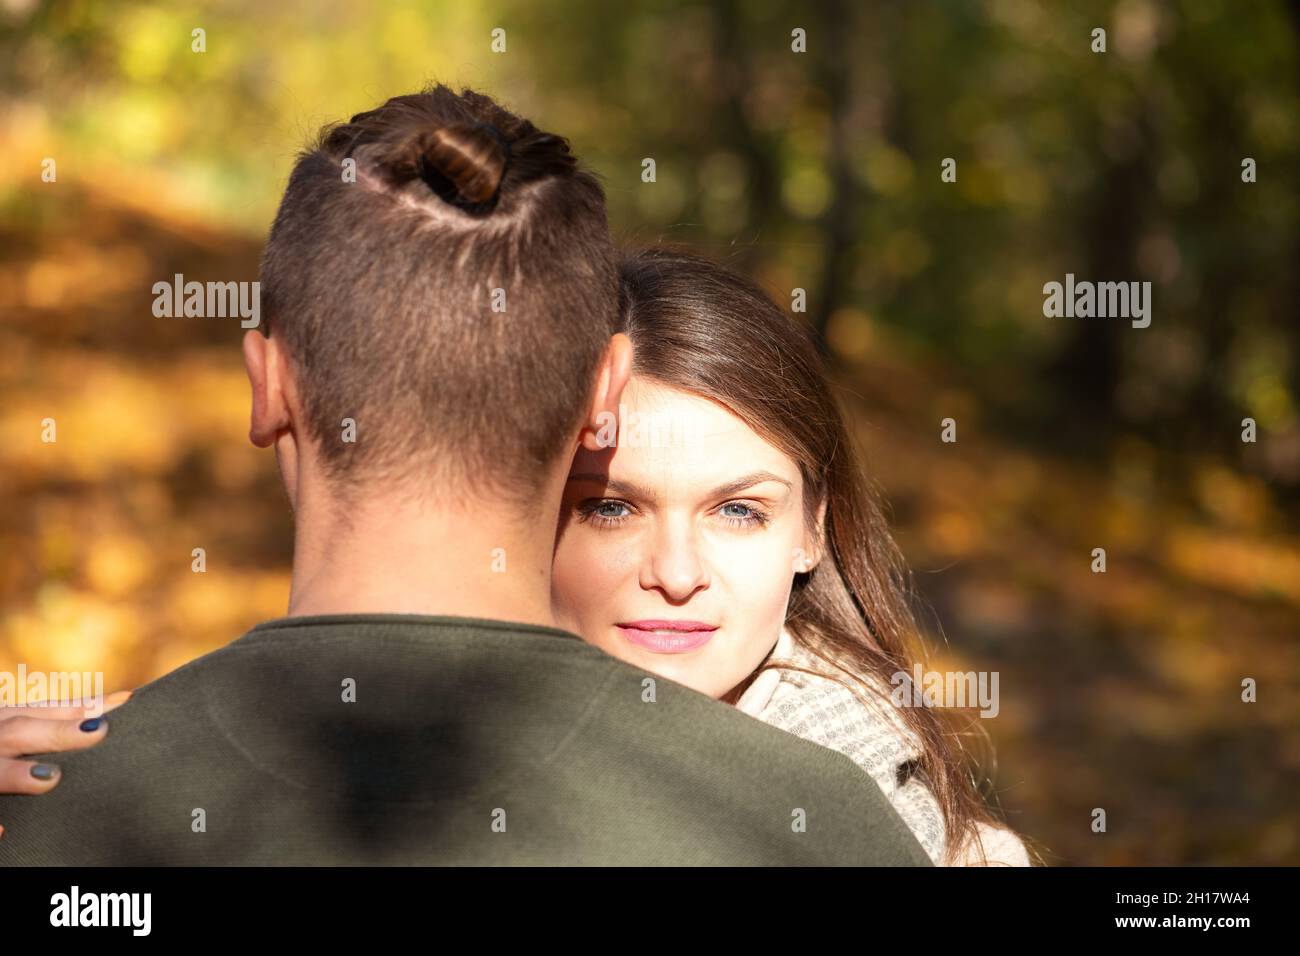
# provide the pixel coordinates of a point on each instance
(603, 513)
(742, 515)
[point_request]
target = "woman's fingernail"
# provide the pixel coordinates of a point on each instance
(91, 725)
(44, 771)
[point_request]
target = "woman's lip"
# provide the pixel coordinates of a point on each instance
(669, 639)
(669, 626)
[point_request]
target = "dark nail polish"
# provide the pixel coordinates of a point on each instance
(91, 725)
(44, 771)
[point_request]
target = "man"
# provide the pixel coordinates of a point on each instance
(440, 287)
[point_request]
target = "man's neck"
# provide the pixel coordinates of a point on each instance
(393, 555)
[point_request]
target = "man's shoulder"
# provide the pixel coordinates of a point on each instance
(645, 712)
(669, 753)
(583, 744)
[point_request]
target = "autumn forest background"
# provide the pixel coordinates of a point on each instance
(818, 170)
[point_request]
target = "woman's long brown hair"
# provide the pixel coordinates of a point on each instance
(699, 327)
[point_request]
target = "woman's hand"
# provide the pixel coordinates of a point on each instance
(40, 730)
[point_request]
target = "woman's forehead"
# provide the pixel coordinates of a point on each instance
(673, 439)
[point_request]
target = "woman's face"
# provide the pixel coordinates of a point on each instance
(677, 550)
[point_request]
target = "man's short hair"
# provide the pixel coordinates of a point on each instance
(441, 272)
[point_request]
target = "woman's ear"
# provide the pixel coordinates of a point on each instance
(810, 555)
(600, 431)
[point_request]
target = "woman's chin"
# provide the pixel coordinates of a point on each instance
(677, 668)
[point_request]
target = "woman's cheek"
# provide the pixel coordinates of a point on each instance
(566, 599)
(756, 579)
(584, 575)
(759, 571)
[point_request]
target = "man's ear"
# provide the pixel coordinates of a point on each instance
(611, 378)
(267, 371)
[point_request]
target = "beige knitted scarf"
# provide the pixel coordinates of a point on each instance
(827, 713)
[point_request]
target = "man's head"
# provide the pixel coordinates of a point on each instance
(440, 273)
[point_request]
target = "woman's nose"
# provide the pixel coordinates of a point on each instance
(674, 565)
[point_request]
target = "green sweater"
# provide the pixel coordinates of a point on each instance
(405, 739)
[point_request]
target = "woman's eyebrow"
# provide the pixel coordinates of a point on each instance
(636, 491)
(613, 484)
(747, 481)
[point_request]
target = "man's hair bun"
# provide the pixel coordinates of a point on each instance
(467, 163)
(464, 164)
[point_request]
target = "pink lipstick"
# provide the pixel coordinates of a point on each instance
(668, 637)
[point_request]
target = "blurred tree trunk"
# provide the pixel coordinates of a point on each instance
(734, 63)
(839, 221)
(1223, 279)
(1289, 303)
(1088, 369)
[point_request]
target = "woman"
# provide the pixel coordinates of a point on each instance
(727, 541)
(734, 547)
